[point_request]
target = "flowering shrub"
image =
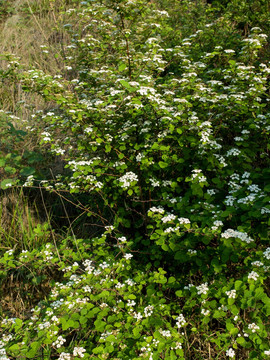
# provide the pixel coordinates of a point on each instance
(170, 139)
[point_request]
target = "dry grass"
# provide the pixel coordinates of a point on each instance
(33, 24)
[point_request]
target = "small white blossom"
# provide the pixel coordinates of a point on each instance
(180, 321)
(127, 179)
(205, 312)
(168, 218)
(230, 353)
(253, 327)
(253, 276)
(231, 294)
(79, 351)
(202, 289)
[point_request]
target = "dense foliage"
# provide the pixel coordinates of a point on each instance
(160, 119)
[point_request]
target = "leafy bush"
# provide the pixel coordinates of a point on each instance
(167, 138)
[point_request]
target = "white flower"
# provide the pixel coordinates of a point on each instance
(137, 316)
(165, 333)
(122, 239)
(231, 294)
(233, 152)
(253, 327)
(266, 253)
(253, 276)
(158, 210)
(128, 256)
(64, 356)
(180, 321)
(59, 342)
(202, 289)
(183, 220)
(79, 351)
(230, 233)
(148, 310)
(127, 179)
(205, 312)
(257, 263)
(131, 303)
(168, 218)
(230, 353)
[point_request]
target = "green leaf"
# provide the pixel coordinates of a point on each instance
(27, 171)
(137, 331)
(125, 84)
(98, 350)
(7, 183)
(238, 284)
(179, 293)
(162, 164)
(2, 162)
(241, 341)
(99, 325)
(122, 67)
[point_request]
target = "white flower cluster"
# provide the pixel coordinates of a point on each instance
(79, 351)
(158, 210)
(183, 221)
(180, 321)
(122, 239)
(253, 276)
(148, 311)
(128, 256)
(197, 174)
(230, 233)
(46, 136)
(138, 316)
(230, 353)
(231, 294)
(127, 179)
(202, 289)
(131, 303)
(154, 182)
(10, 252)
(266, 253)
(178, 345)
(130, 282)
(165, 333)
(233, 152)
(253, 327)
(257, 263)
(104, 335)
(59, 342)
(265, 210)
(29, 181)
(205, 312)
(217, 224)
(64, 356)
(168, 218)
(88, 266)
